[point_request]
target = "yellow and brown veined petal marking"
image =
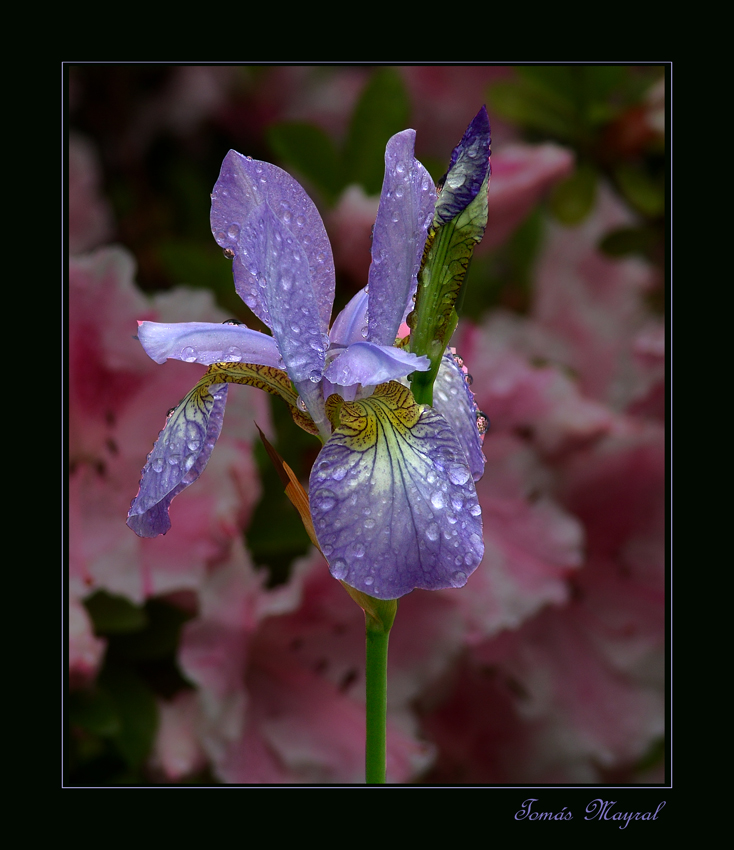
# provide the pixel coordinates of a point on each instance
(393, 499)
(268, 378)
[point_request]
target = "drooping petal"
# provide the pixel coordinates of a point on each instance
(370, 365)
(393, 500)
(453, 399)
(179, 456)
(205, 342)
(244, 184)
(405, 213)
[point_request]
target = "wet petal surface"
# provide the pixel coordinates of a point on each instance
(205, 342)
(179, 456)
(405, 212)
(453, 399)
(369, 365)
(393, 499)
(243, 185)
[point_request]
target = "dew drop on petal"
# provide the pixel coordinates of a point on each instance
(339, 569)
(301, 404)
(475, 510)
(369, 580)
(228, 253)
(459, 578)
(459, 474)
(315, 376)
(193, 445)
(433, 531)
(158, 464)
(188, 354)
(438, 500)
(233, 231)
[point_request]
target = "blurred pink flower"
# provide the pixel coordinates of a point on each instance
(90, 218)
(115, 399)
(85, 650)
(281, 684)
(177, 751)
(594, 304)
(521, 175)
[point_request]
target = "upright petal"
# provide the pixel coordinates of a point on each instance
(206, 342)
(405, 212)
(393, 500)
(243, 185)
(292, 304)
(179, 456)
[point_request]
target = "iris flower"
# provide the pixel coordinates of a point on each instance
(391, 494)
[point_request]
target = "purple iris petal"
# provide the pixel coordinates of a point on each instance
(368, 364)
(351, 324)
(405, 212)
(468, 170)
(179, 456)
(204, 342)
(287, 290)
(393, 500)
(244, 184)
(455, 401)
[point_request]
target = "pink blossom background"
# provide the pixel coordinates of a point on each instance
(549, 667)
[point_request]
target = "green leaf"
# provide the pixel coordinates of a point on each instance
(642, 191)
(114, 614)
(137, 712)
(95, 712)
(571, 201)
(533, 107)
(308, 150)
(629, 240)
(382, 111)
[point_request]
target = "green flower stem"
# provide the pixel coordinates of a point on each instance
(379, 615)
(376, 674)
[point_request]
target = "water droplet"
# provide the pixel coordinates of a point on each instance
(232, 322)
(438, 500)
(364, 332)
(339, 473)
(395, 216)
(287, 216)
(301, 405)
(399, 192)
(456, 179)
(300, 221)
(233, 231)
(356, 549)
(194, 445)
(339, 569)
(400, 168)
(174, 460)
(459, 474)
(369, 580)
(482, 422)
(433, 531)
(468, 378)
(475, 510)
(188, 354)
(459, 578)
(314, 376)
(158, 464)
(232, 355)
(228, 253)
(369, 523)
